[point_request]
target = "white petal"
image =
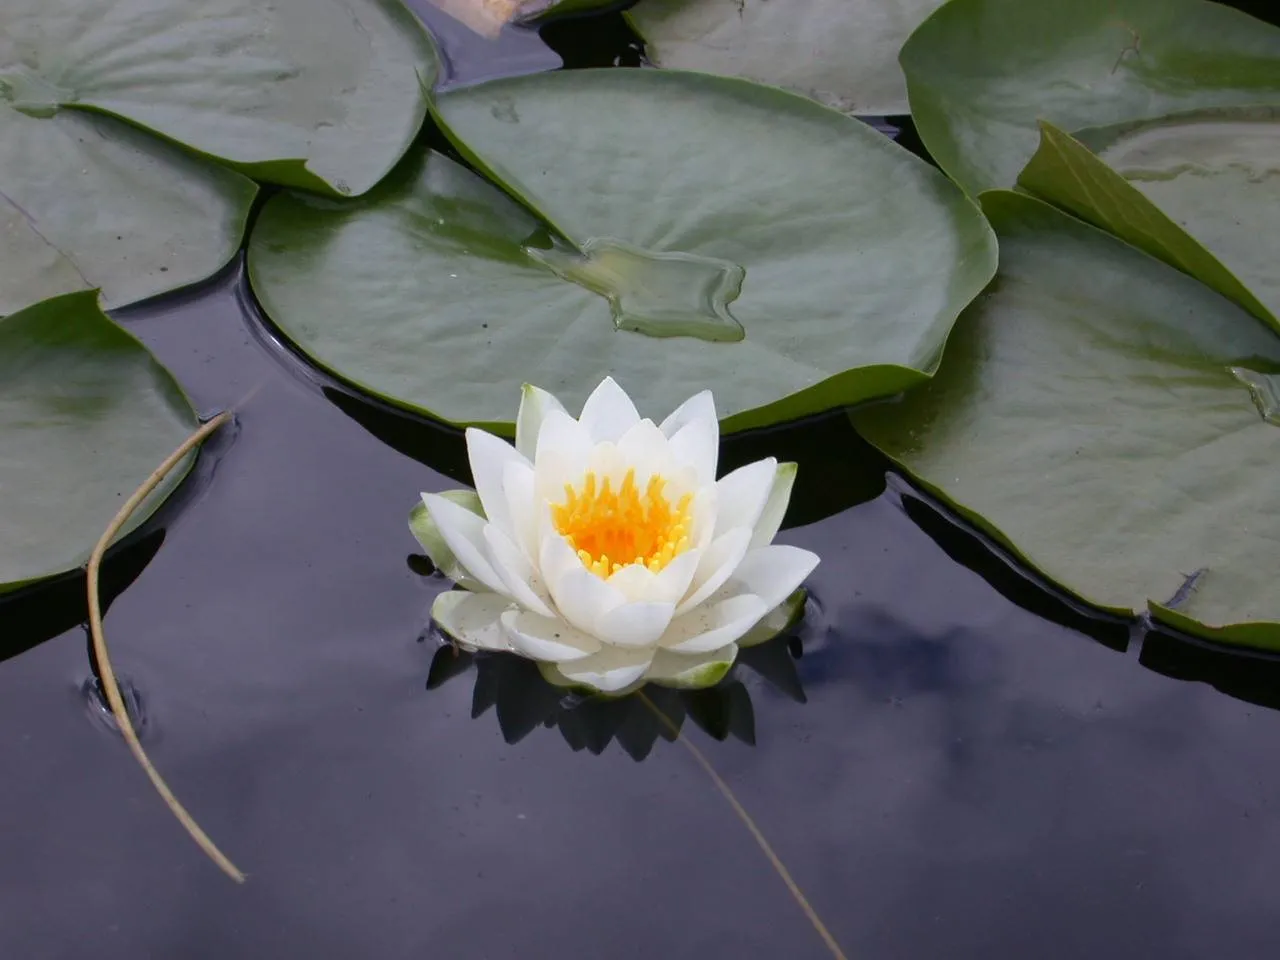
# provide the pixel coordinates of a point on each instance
(775, 507)
(517, 573)
(546, 638)
(489, 457)
(535, 404)
(610, 670)
(646, 449)
(781, 618)
(635, 581)
(428, 534)
(638, 624)
(552, 673)
(697, 445)
(517, 484)
(742, 494)
(608, 412)
(704, 510)
(638, 582)
(673, 580)
(718, 563)
(561, 433)
(463, 531)
(564, 448)
(583, 598)
(701, 406)
(472, 619)
(607, 463)
(714, 625)
(691, 671)
(772, 573)
(555, 557)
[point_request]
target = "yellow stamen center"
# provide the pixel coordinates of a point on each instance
(612, 529)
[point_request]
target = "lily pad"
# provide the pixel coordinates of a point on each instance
(681, 231)
(87, 201)
(980, 73)
(86, 414)
(1164, 184)
(321, 94)
(1113, 422)
(843, 53)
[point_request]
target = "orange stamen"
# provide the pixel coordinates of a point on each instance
(604, 525)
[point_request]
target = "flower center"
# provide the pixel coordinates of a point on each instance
(612, 529)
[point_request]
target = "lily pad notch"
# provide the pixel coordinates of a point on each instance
(787, 290)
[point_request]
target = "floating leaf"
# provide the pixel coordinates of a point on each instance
(322, 94)
(787, 257)
(980, 73)
(87, 201)
(1107, 418)
(86, 414)
(843, 53)
(1213, 175)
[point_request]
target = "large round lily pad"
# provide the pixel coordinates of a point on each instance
(86, 413)
(322, 94)
(1113, 421)
(1200, 191)
(980, 73)
(88, 201)
(680, 231)
(843, 53)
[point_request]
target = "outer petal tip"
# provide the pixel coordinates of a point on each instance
(535, 405)
(609, 412)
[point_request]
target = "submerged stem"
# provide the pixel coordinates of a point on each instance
(107, 676)
(755, 832)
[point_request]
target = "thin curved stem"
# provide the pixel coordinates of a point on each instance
(759, 837)
(108, 677)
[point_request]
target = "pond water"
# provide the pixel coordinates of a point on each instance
(978, 769)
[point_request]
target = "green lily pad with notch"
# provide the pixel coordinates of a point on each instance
(843, 53)
(87, 201)
(679, 231)
(1113, 422)
(86, 414)
(981, 73)
(1164, 184)
(321, 94)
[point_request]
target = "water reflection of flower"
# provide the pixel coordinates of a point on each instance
(524, 701)
(605, 549)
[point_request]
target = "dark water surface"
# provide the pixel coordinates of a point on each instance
(978, 771)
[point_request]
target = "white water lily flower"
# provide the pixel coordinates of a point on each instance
(606, 549)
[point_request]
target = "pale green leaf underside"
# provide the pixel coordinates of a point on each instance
(1104, 416)
(87, 201)
(86, 414)
(441, 294)
(1213, 175)
(843, 53)
(981, 73)
(322, 94)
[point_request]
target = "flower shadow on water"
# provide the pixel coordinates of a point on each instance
(513, 687)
